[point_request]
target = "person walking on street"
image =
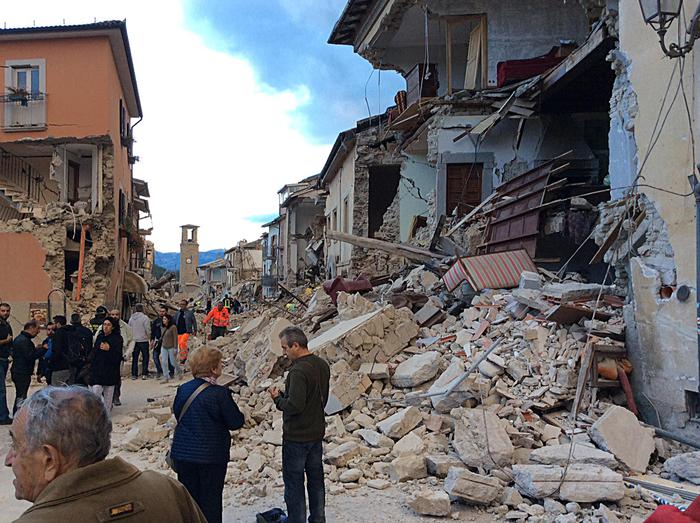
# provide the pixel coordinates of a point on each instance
(202, 440)
(106, 362)
(168, 351)
(58, 362)
(5, 351)
(303, 427)
(83, 336)
(219, 317)
(24, 356)
(60, 441)
(157, 340)
(141, 330)
(236, 307)
(186, 325)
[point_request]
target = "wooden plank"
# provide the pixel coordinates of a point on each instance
(398, 249)
(586, 361)
(565, 313)
(436, 233)
(473, 58)
(471, 214)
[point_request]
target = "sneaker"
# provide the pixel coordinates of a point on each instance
(134, 377)
(117, 403)
(144, 377)
(159, 375)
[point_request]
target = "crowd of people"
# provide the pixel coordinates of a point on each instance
(64, 430)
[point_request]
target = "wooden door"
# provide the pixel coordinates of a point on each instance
(463, 187)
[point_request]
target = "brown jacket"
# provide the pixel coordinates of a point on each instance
(113, 490)
(169, 339)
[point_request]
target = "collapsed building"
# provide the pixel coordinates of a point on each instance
(519, 121)
(293, 244)
(70, 209)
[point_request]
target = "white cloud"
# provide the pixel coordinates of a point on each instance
(215, 143)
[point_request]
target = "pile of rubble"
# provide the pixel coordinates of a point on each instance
(470, 405)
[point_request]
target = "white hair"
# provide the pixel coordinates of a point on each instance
(71, 419)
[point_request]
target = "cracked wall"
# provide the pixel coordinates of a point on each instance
(44, 240)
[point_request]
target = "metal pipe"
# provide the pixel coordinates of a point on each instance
(696, 190)
(81, 262)
(675, 437)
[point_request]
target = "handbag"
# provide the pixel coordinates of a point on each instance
(168, 458)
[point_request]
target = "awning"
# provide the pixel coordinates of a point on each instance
(134, 283)
(141, 188)
(141, 205)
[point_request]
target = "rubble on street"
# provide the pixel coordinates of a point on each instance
(405, 412)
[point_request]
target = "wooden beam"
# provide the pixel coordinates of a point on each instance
(397, 249)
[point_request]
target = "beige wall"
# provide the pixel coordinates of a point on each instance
(667, 353)
(341, 186)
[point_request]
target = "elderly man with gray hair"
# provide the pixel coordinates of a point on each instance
(60, 442)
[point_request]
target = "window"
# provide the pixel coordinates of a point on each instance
(334, 221)
(24, 94)
(124, 127)
(122, 208)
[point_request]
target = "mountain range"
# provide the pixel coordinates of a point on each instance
(171, 260)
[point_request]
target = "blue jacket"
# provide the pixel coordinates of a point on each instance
(203, 436)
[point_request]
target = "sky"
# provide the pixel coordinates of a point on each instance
(275, 97)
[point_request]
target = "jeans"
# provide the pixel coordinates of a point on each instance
(140, 348)
(168, 360)
(4, 411)
(157, 359)
(106, 392)
(22, 382)
(205, 483)
(60, 378)
(297, 459)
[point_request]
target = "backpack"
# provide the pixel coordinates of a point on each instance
(75, 352)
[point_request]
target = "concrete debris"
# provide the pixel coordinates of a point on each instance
(346, 386)
(583, 483)
(431, 503)
(417, 370)
(563, 454)
(399, 424)
(619, 432)
(468, 487)
(501, 437)
(407, 467)
(481, 440)
(685, 466)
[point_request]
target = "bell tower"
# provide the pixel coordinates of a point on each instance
(189, 257)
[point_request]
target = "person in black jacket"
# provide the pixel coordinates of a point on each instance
(84, 337)
(58, 363)
(24, 356)
(202, 441)
(5, 351)
(105, 361)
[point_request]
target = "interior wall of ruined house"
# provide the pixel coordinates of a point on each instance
(516, 30)
(542, 139)
(663, 341)
(302, 217)
(369, 154)
(341, 188)
(417, 182)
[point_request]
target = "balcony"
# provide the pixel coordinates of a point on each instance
(24, 111)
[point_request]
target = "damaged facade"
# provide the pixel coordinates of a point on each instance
(69, 206)
(505, 90)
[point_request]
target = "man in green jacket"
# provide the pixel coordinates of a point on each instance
(304, 426)
(60, 439)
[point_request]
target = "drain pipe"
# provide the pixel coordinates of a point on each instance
(695, 184)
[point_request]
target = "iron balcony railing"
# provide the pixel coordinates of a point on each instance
(24, 110)
(16, 174)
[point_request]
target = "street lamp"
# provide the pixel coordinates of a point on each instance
(660, 14)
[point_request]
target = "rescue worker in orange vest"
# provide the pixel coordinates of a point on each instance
(219, 316)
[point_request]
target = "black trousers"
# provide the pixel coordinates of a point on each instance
(22, 383)
(205, 483)
(140, 348)
(217, 332)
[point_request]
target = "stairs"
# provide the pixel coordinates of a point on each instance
(19, 186)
